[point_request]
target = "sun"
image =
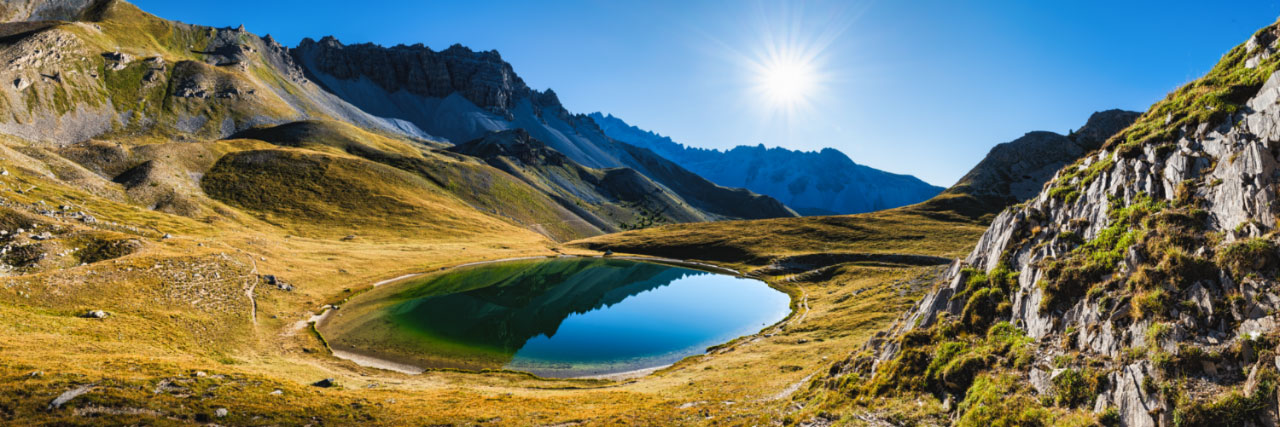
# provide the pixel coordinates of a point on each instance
(787, 60)
(786, 82)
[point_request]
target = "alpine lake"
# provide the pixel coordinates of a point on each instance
(562, 317)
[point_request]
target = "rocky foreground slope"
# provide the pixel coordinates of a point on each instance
(1138, 288)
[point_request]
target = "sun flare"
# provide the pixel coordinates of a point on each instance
(786, 62)
(787, 82)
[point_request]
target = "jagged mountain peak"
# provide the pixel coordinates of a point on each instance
(481, 77)
(1017, 170)
(1101, 126)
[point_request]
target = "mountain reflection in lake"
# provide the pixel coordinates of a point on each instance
(555, 317)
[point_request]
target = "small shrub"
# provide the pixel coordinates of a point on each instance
(1151, 304)
(1248, 256)
(1003, 336)
(1071, 237)
(1231, 410)
(1074, 387)
(904, 373)
(959, 374)
(942, 356)
(1110, 417)
(1157, 332)
(983, 307)
(1001, 401)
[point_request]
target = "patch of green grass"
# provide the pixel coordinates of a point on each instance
(1001, 400)
(1249, 256)
(1076, 387)
(987, 296)
(1151, 303)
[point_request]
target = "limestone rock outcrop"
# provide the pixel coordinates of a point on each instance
(1151, 263)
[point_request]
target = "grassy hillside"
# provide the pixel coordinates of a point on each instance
(170, 218)
(610, 199)
(182, 319)
(910, 230)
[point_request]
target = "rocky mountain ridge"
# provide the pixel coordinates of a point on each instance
(481, 77)
(461, 95)
(1017, 170)
(456, 94)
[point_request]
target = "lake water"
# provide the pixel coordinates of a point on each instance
(560, 317)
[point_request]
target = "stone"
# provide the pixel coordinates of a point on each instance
(96, 314)
(117, 56)
(152, 76)
(220, 412)
(325, 383)
(66, 396)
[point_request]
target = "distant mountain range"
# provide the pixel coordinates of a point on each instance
(824, 182)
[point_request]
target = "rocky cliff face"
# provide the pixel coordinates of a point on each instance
(49, 10)
(1139, 287)
(481, 77)
(1017, 170)
(813, 183)
(455, 94)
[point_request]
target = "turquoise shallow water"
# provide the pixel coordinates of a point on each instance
(565, 317)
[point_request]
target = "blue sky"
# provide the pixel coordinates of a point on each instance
(920, 87)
